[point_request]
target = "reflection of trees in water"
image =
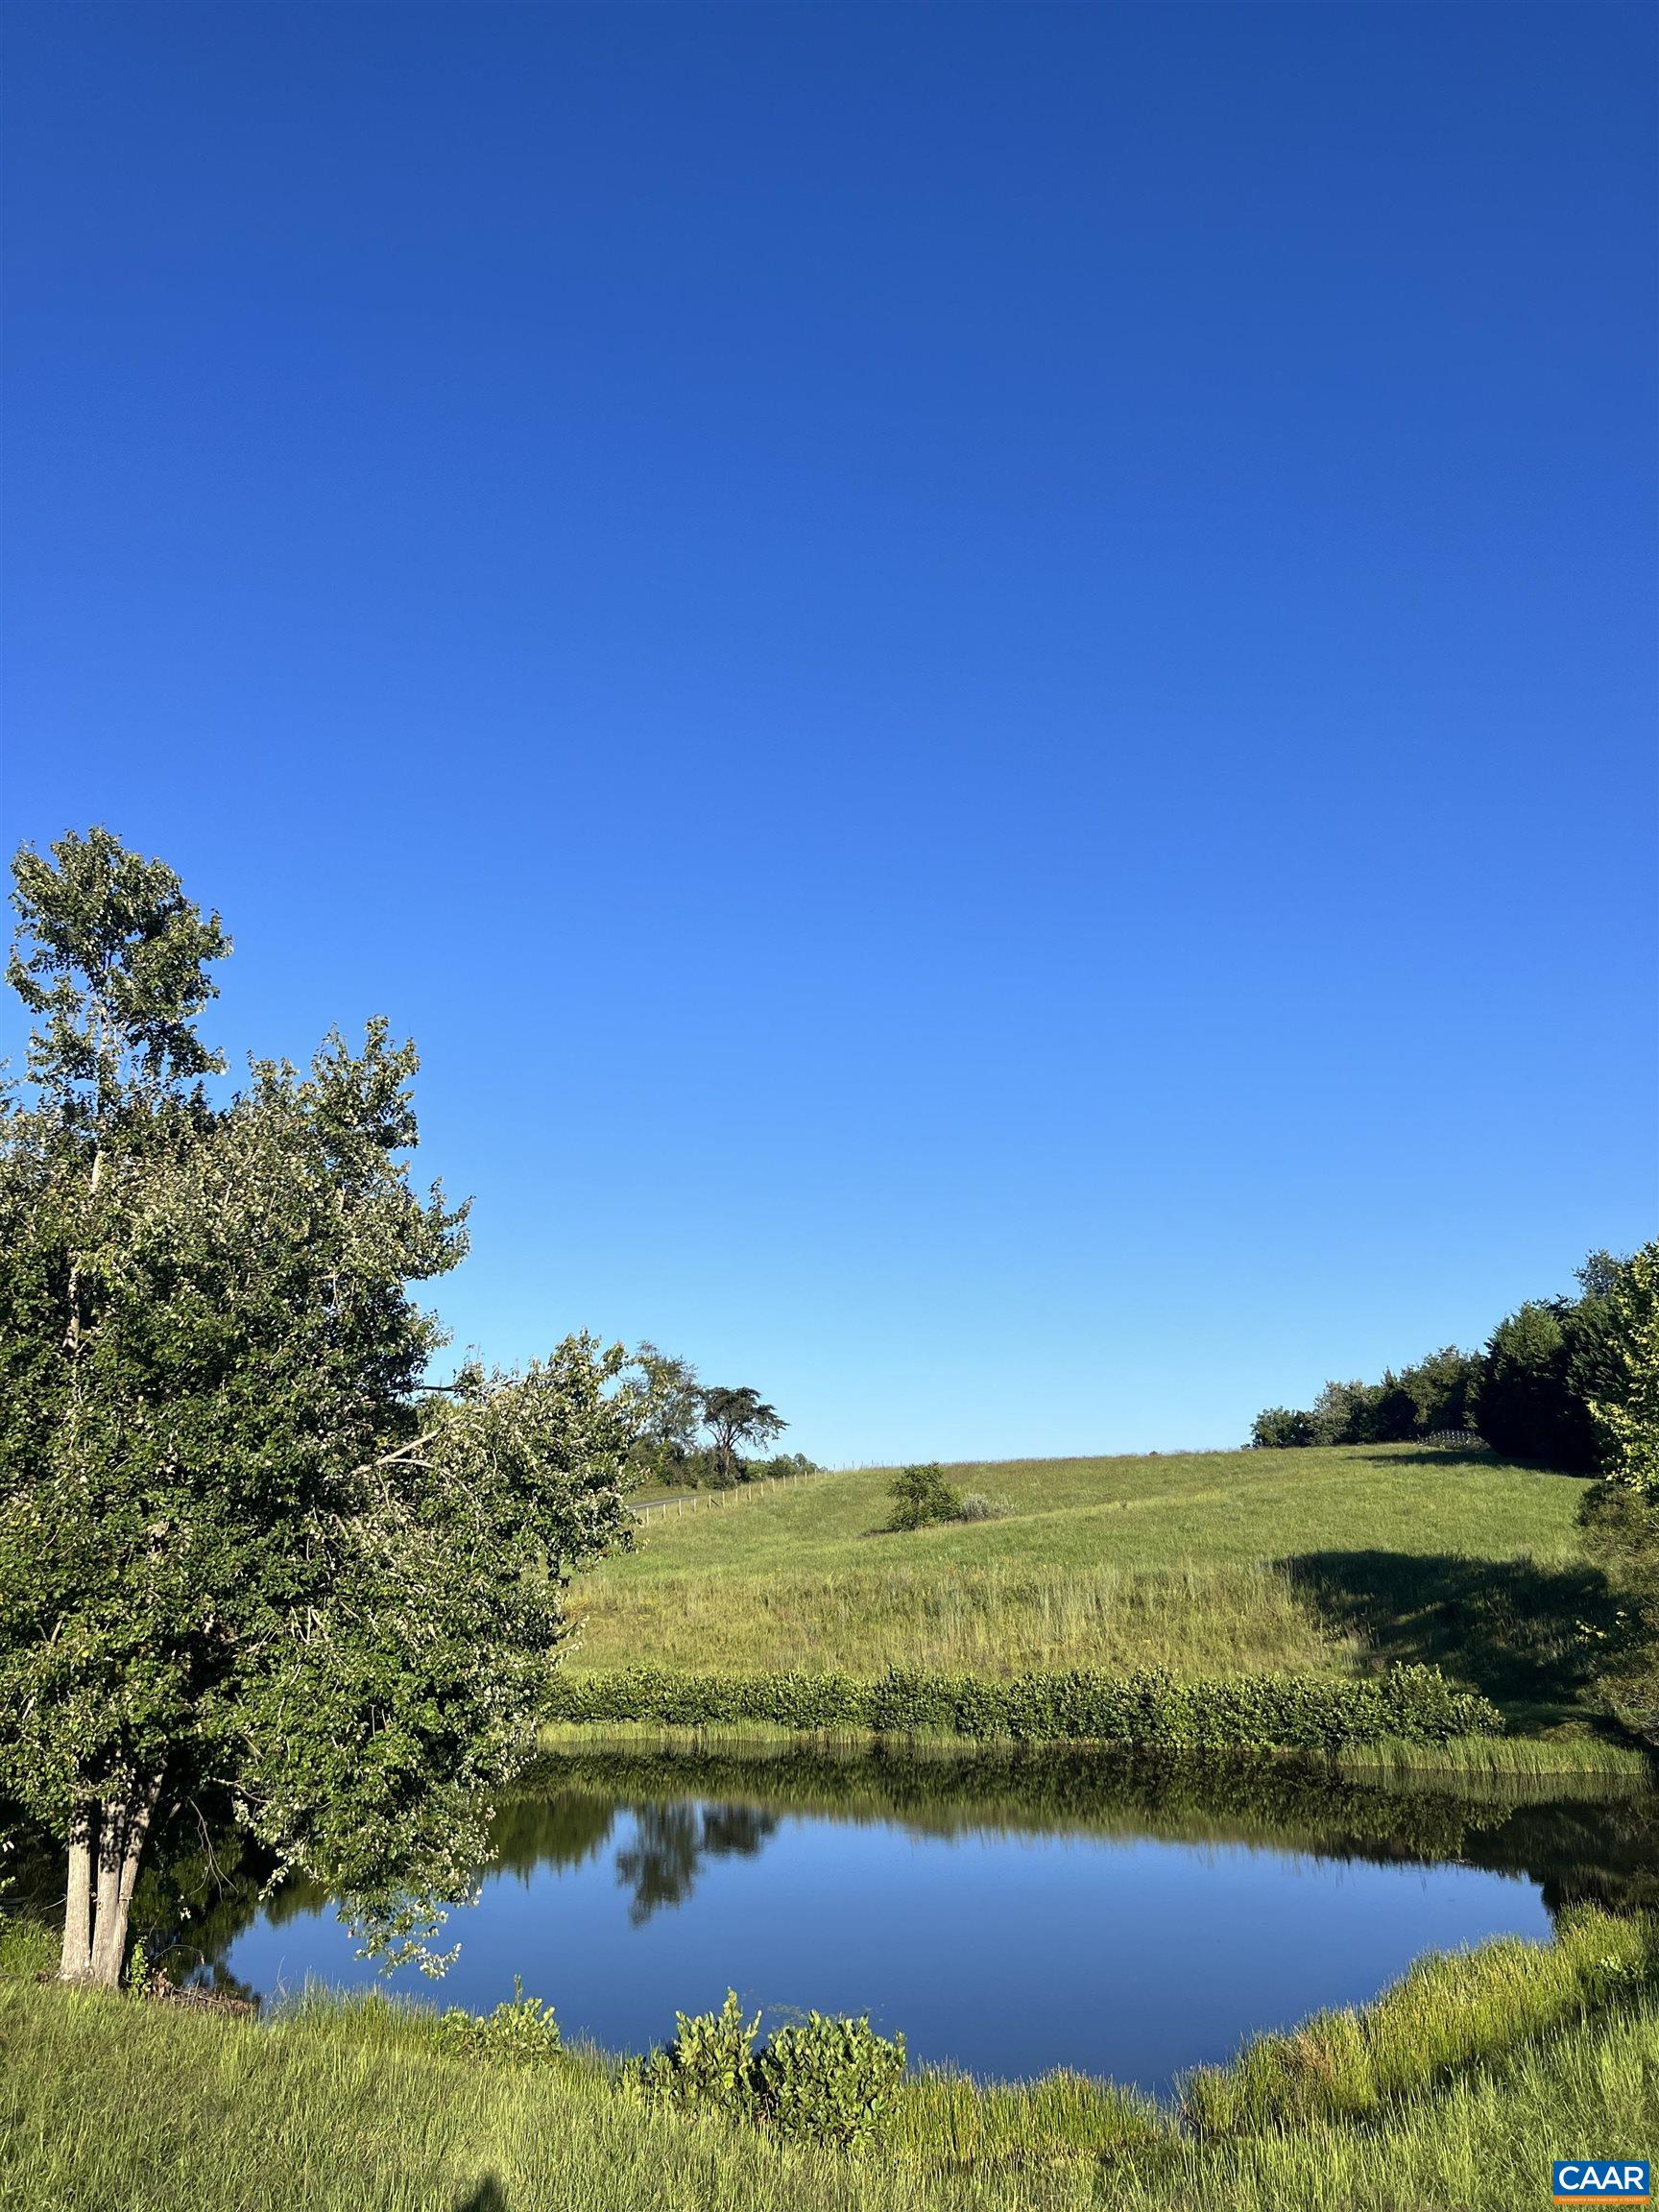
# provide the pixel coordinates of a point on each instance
(1577, 1847)
(670, 1843)
(558, 1829)
(207, 1882)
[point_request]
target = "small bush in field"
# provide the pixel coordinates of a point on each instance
(922, 1495)
(829, 2082)
(709, 2067)
(521, 2031)
(975, 1508)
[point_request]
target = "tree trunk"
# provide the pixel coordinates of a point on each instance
(76, 1963)
(105, 1970)
(121, 1833)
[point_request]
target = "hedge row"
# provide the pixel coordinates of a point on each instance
(1149, 1710)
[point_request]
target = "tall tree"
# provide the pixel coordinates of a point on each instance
(660, 1401)
(1620, 1513)
(241, 1547)
(738, 1417)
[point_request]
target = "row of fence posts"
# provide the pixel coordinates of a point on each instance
(714, 1498)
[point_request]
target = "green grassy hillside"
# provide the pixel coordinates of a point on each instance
(1212, 1562)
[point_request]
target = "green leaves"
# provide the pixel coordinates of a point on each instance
(1625, 1407)
(1149, 1710)
(115, 959)
(922, 1495)
(238, 1540)
(827, 2081)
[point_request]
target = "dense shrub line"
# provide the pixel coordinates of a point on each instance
(1148, 1710)
(1530, 1393)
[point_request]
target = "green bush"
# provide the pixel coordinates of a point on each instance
(521, 2031)
(1277, 1427)
(829, 2080)
(709, 2067)
(922, 1495)
(779, 1469)
(1149, 1710)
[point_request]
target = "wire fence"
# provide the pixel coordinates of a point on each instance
(706, 1500)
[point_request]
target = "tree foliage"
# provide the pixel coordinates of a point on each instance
(922, 1495)
(734, 1418)
(243, 1550)
(661, 1403)
(1434, 1393)
(1531, 1393)
(667, 1411)
(1620, 1513)
(1624, 1394)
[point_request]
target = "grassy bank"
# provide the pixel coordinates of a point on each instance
(1332, 1563)
(1455, 2090)
(1565, 1758)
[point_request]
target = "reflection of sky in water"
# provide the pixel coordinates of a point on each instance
(1007, 1954)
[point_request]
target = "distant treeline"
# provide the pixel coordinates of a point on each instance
(691, 1436)
(1528, 1393)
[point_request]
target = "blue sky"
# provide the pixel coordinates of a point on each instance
(982, 676)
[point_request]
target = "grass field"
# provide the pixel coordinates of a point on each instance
(1209, 1563)
(1452, 2094)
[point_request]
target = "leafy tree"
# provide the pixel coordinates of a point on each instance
(736, 1418)
(1278, 1426)
(663, 1405)
(922, 1495)
(1602, 1275)
(1526, 1404)
(1343, 1413)
(1620, 1513)
(1441, 1386)
(1625, 1407)
(1436, 1392)
(243, 1549)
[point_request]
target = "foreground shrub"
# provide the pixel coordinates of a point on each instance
(830, 2082)
(1148, 1710)
(709, 2067)
(521, 2031)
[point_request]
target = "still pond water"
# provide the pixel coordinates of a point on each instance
(1008, 1916)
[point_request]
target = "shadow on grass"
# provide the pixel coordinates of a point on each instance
(1531, 1637)
(488, 2197)
(1467, 1456)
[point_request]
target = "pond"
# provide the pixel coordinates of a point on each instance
(1009, 1915)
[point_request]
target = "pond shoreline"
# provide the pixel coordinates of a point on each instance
(1448, 2082)
(1598, 1762)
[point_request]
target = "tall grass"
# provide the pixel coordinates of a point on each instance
(994, 1621)
(1448, 2012)
(111, 2104)
(1330, 1562)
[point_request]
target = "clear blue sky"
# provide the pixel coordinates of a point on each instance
(982, 676)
